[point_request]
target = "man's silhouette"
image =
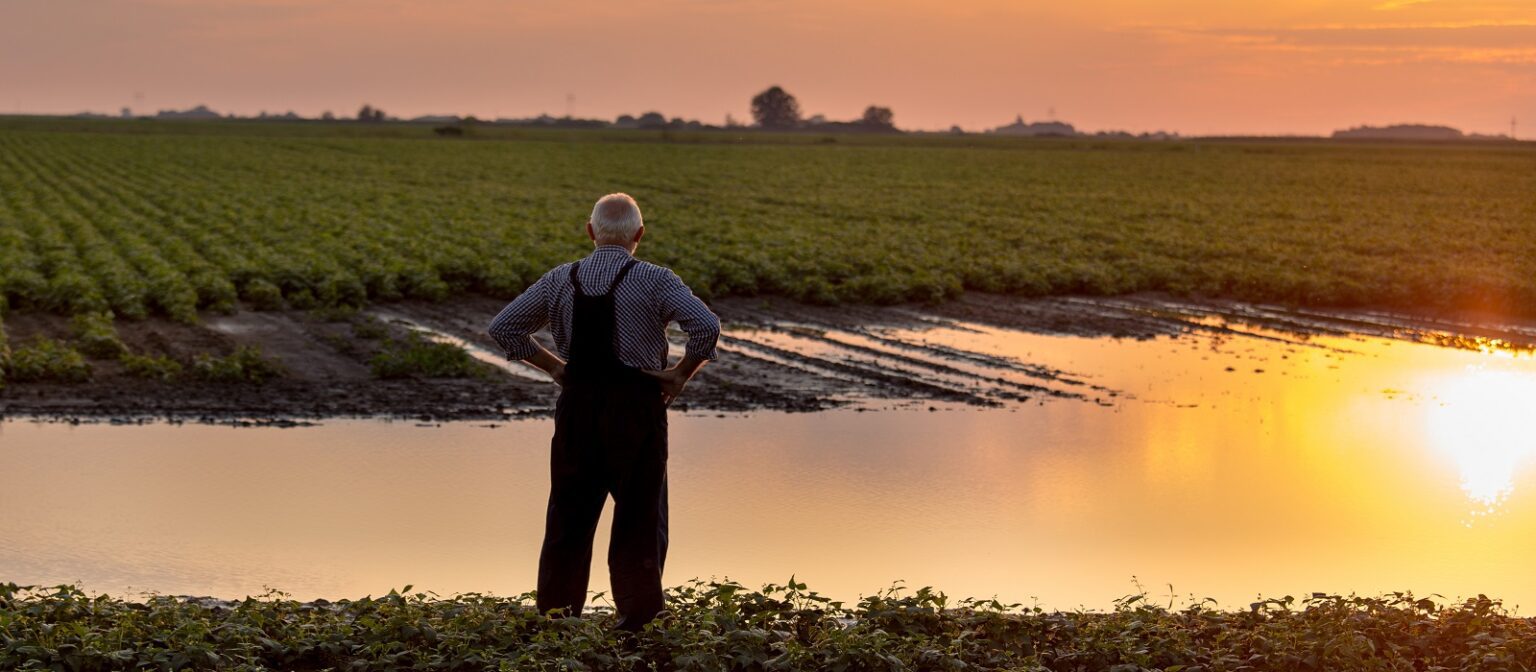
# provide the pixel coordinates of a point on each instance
(608, 315)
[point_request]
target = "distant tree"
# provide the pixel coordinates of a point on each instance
(730, 121)
(879, 117)
(327, 116)
(775, 108)
(369, 114)
(652, 120)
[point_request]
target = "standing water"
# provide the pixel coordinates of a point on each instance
(1229, 462)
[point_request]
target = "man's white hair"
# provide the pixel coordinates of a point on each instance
(615, 219)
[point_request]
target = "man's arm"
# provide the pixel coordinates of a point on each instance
(513, 327)
(679, 304)
(549, 363)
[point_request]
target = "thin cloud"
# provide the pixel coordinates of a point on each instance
(1491, 43)
(1422, 25)
(1391, 5)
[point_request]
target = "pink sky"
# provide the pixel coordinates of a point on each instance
(1194, 66)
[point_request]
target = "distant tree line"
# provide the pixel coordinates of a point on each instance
(370, 114)
(1412, 132)
(657, 121)
(775, 109)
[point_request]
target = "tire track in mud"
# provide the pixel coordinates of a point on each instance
(1143, 317)
(961, 357)
(1177, 318)
(990, 361)
(979, 384)
(978, 350)
(883, 348)
(1465, 335)
(870, 375)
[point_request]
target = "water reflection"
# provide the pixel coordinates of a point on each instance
(1483, 420)
(1229, 466)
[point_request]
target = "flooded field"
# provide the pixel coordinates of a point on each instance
(1230, 451)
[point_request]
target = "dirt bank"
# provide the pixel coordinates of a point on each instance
(775, 355)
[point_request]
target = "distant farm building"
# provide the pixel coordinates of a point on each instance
(1036, 129)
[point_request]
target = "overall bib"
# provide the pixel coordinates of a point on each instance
(610, 439)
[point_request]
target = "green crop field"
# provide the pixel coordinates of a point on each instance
(162, 218)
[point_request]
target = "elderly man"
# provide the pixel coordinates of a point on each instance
(608, 315)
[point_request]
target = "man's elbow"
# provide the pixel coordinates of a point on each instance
(709, 328)
(704, 337)
(516, 344)
(498, 331)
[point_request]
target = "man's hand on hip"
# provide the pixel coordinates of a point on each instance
(547, 362)
(673, 380)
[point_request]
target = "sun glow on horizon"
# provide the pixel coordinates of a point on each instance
(1192, 66)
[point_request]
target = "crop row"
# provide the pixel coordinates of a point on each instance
(177, 224)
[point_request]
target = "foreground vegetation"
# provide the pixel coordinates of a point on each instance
(723, 626)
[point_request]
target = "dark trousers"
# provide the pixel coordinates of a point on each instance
(610, 439)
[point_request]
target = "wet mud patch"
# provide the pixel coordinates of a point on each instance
(978, 350)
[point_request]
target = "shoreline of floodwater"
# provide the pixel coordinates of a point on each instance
(777, 355)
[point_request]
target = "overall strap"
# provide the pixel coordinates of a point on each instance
(574, 282)
(620, 277)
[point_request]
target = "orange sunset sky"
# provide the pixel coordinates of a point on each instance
(1193, 66)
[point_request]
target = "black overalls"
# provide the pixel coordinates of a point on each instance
(610, 438)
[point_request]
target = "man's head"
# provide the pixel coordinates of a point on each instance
(616, 221)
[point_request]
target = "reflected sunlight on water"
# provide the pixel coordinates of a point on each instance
(1482, 419)
(1228, 464)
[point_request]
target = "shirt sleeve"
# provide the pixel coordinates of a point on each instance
(679, 304)
(514, 325)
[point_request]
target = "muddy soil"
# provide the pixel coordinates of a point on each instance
(775, 355)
